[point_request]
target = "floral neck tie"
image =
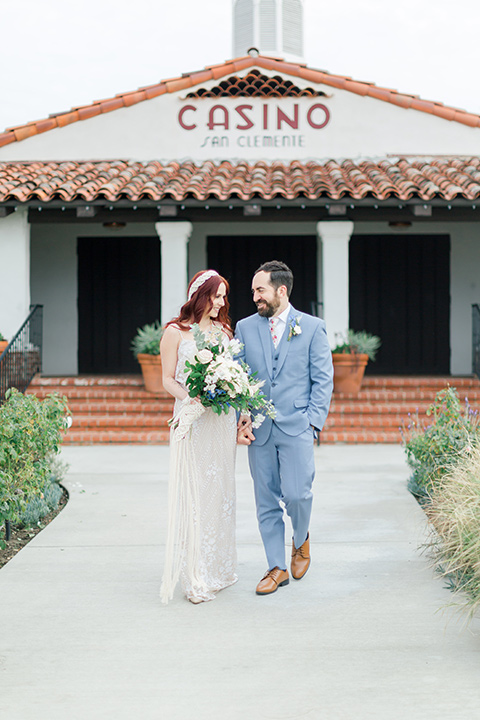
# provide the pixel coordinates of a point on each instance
(273, 325)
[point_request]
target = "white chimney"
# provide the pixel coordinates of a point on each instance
(273, 27)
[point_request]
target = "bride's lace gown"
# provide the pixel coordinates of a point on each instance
(204, 501)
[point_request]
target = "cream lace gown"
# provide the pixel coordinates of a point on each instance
(200, 548)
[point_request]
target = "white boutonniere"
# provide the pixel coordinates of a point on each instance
(295, 328)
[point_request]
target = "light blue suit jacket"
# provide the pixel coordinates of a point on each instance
(298, 374)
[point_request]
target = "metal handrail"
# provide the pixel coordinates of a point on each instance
(476, 339)
(22, 358)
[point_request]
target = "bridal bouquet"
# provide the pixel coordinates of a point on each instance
(220, 382)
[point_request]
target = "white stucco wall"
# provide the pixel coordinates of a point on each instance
(14, 272)
(465, 290)
(54, 285)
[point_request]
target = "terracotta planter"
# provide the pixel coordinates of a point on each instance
(3, 345)
(152, 372)
(348, 371)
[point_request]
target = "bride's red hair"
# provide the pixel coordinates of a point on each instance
(201, 300)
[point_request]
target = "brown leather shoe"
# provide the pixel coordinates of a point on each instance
(272, 580)
(300, 559)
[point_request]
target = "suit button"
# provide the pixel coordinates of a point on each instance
(274, 384)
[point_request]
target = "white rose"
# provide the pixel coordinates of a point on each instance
(235, 346)
(205, 356)
(297, 330)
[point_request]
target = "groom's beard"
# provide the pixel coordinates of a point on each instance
(266, 309)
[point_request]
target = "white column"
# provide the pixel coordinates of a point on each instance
(14, 272)
(335, 237)
(174, 238)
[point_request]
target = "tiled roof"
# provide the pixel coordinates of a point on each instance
(255, 84)
(403, 178)
(227, 69)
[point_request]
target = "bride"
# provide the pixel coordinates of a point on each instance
(200, 549)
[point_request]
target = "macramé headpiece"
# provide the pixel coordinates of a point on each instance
(200, 280)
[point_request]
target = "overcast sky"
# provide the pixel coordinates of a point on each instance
(57, 54)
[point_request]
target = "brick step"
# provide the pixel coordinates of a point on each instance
(390, 381)
(88, 381)
(386, 395)
(377, 408)
(329, 437)
(136, 420)
(118, 410)
(113, 392)
(129, 437)
(121, 407)
(141, 437)
(359, 421)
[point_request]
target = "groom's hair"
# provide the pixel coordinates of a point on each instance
(280, 274)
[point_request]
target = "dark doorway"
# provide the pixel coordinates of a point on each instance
(237, 258)
(400, 290)
(118, 291)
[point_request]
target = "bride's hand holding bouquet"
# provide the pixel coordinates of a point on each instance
(217, 381)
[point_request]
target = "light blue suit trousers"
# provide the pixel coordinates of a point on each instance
(298, 379)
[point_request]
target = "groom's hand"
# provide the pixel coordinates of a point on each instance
(242, 439)
(245, 435)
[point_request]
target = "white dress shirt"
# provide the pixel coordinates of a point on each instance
(282, 323)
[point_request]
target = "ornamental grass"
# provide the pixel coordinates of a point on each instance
(454, 513)
(434, 446)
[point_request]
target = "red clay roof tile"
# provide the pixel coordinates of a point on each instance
(134, 98)
(87, 112)
(113, 104)
(424, 178)
(178, 84)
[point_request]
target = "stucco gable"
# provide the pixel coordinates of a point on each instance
(356, 119)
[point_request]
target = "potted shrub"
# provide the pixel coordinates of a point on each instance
(146, 348)
(350, 357)
(3, 343)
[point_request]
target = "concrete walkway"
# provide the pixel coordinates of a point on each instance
(83, 635)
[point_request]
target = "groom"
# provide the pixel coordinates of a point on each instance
(289, 350)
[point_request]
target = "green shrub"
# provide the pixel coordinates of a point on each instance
(454, 514)
(433, 449)
(46, 500)
(31, 431)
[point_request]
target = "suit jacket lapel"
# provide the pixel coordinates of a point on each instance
(266, 338)
(284, 346)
